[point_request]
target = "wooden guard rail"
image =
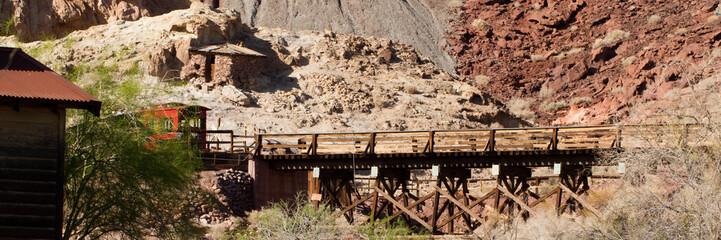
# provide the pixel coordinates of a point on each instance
(482, 140)
(233, 144)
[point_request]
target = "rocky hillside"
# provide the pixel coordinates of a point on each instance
(36, 19)
(421, 23)
(585, 61)
(313, 81)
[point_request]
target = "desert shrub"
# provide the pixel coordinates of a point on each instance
(8, 26)
(573, 28)
(654, 19)
(448, 88)
(580, 100)
(537, 58)
(386, 229)
(552, 106)
(297, 219)
(455, 4)
(628, 61)
(616, 90)
(482, 80)
(611, 37)
(712, 18)
(670, 190)
(521, 108)
(480, 24)
(546, 92)
(410, 89)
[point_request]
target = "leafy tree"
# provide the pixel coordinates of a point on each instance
(115, 183)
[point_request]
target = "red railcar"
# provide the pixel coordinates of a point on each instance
(177, 119)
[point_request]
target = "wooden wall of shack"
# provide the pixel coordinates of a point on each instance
(31, 163)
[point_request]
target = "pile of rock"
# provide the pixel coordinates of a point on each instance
(235, 189)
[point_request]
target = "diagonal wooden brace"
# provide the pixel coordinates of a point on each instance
(516, 199)
(403, 208)
(578, 198)
(459, 204)
(356, 203)
(419, 201)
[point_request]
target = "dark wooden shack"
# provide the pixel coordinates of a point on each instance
(33, 100)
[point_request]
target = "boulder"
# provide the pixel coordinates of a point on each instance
(236, 96)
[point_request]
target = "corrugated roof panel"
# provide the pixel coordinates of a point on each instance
(23, 78)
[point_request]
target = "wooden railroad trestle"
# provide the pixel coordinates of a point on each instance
(449, 207)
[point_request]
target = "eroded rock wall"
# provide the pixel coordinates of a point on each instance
(35, 19)
(421, 23)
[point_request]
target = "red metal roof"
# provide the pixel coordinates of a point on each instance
(25, 80)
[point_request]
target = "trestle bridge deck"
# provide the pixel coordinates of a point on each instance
(531, 147)
(448, 206)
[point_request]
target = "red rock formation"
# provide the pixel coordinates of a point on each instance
(641, 62)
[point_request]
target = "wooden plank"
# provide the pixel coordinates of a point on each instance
(30, 140)
(26, 221)
(9, 150)
(517, 142)
(28, 163)
(350, 207)
(402, 208)
(35, 129)
(580, 200)
(27, 186)
(516, 199)
(27, 198)
(27, 209)
(29, 115)
(412, 205)
(459, 204)
(269, 146)
(27, 232)
(27, 174)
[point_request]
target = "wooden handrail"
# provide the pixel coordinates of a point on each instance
(495, 140)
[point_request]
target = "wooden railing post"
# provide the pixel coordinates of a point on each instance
(258, 145)
(431, 140)
(492, 140)
(554, 139)
(314, 145)
(231, 141)
(618, 136)
(372, 143)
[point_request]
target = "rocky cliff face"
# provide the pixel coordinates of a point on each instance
(586, 61)
(421, 23)
(34, 19)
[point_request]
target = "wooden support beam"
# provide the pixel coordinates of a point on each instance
(544, 197)
(460, 204)
(356, 203)
(583, 202)
(471, 205)
(402, 208)
(516, 199)
(412, 205)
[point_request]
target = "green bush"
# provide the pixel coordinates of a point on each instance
(298, 219)
(116, 184)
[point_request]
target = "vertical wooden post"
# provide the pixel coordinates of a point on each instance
(314, 145)
(431, 139)
(258, 145)
(554, 140)
(436, 202)
(497, 200)
(492, 141)
(231, 141)
(374, 207)
(372, 143)
(313, 188)
(618, 136)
